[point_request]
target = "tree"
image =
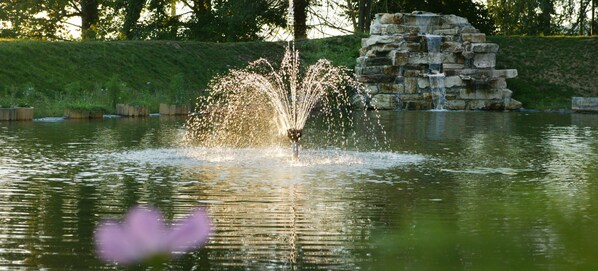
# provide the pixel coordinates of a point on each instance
(300, 16)
(133, 10)
(88, 10)
(365, 16)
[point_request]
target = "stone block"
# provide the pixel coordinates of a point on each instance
(476, 105)
(584, 104)
(380, 40)
(384, 101)
(446, 32)
(473, 37)
(388, 18)
(359, 101)
(391, 88)
(367, 70)
(452, 66)
(454, 104)
(413, 46)
(498, 83)
(373, 61)
(449, 58)
(507, 73)
(484, 61)
(412, 73)
(375, 28)
(454, 20)
(399, 57)
(371, 88)
(454, 90)
(392, 29)
(469, 29)
(506, 93)
(480, 94)
(453, 81)
(411, 97)
(423, 82)
(483, 47)
(383, 48)
(375, 78)
(513, 105)
(418, 58)
(451, 47)
(410, 85)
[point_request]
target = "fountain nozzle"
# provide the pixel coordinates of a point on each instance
(295, 135)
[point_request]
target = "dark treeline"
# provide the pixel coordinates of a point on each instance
(242, 20)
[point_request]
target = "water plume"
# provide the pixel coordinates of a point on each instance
(260, 105)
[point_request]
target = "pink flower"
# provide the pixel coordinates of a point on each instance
(143, 235)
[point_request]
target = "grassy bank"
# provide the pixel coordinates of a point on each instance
(551, 69)
(52, 76)
(55, 75)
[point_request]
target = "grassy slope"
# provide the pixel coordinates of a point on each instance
(63, 72)
(51, 75)
(551, 69)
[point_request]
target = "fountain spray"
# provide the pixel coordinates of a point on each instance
(248, 106)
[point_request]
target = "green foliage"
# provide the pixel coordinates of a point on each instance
(178, 91)
(207, 20)
(89, 107)
(341, 51)
(117, 91)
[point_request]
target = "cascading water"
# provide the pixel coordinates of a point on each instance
(435, 75)
(438, 90)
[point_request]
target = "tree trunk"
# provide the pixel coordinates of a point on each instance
(352, 15)
(89, 18)
(593, 26)
(300, 12)
(364, 19)
(132, 14)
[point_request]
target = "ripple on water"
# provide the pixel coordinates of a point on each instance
(256, 163)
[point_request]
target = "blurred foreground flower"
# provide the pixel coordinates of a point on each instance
(143, 235)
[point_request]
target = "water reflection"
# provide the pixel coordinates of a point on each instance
(462, 187)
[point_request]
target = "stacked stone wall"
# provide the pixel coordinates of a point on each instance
(394, 64)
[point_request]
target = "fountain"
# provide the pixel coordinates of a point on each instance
(425, 61)
(246, 107)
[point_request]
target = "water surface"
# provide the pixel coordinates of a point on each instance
(454, 190)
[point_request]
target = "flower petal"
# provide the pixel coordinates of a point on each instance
(145, 228)
(189, 233)
(114, 245)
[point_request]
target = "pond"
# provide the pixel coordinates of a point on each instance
(454, 191)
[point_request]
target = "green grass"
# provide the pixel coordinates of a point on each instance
(551, 69)
(51, 75)
(82, 107)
